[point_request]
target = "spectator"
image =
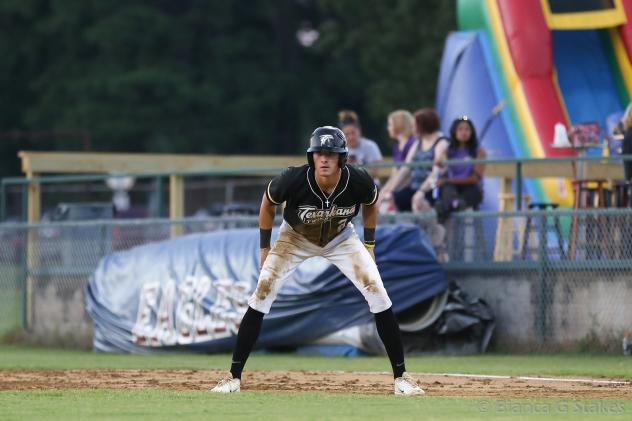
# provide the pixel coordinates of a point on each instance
(401, 129)
(412, 180)
(417, 196)
(625, 128)
(362, 151)
(462, 187)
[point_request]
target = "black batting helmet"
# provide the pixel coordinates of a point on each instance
(328, 139)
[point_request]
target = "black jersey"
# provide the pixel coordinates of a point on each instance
(312, 213)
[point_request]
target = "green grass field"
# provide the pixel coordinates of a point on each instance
(168, 404)
(545, 365)
(160, 404)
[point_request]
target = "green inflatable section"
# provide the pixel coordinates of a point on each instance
(471, 15)
(614, 65)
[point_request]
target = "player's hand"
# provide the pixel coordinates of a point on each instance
(264, 256)
(371, 251)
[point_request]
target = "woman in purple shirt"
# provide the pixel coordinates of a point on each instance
(401, 128)
(462, 185)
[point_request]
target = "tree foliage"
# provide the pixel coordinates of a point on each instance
(201, 76)
(394, 46)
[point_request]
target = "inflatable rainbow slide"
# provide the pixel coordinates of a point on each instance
(547, 61)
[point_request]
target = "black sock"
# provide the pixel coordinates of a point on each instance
(246, 337)
(388, 329)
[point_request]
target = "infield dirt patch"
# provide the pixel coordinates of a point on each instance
(302, 381)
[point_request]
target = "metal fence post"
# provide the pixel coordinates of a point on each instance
(3, 202)
(158, 209)
(519, 185)
(25, 202)
(543, 281)
(176, 203)
(22, 277)
(30, 213)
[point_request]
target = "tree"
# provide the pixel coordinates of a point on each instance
(197, 76)
(396, 47)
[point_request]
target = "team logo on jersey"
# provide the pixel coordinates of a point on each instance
(312, 215)
(326, 139)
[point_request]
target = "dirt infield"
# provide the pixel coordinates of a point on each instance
(300, 381)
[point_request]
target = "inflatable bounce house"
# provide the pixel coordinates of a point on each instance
(541, 62)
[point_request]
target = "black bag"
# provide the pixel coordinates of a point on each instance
(464, 327)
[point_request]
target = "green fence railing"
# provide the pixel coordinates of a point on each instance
(506, 167)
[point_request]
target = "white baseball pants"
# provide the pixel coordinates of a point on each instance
(346, 252)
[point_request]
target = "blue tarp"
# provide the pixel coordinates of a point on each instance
(191, 292)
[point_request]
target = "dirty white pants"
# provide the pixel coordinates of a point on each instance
(346, 252)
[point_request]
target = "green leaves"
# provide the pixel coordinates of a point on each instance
(398, 46)
(210, 76)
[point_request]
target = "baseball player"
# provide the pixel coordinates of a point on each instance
(320, 200)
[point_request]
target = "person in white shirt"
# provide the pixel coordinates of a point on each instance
(362, 151)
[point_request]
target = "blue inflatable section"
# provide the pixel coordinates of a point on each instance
(469, 85)
(585, 77)
(191, 292)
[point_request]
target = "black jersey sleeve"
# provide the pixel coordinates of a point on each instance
(372, 196)
(279, 187)
(365, 187)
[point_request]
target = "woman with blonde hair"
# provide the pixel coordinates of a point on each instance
(401, 128)
(416, 194)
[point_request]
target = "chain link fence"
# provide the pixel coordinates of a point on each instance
(141, 196)
(45, 267)
(556, 279)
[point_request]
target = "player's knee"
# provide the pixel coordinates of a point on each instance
(379, 303)
(264, 287)
(262, 306)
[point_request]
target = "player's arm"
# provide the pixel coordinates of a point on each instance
(267, 211)
(369, 217)
(275, 194)
(369, 220)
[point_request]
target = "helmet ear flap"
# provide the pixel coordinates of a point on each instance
(310, 159)
(342, 160)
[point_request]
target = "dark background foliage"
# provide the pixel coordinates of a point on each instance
(208, 76)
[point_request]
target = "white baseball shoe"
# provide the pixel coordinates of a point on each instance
(407, 385)
(227, 385)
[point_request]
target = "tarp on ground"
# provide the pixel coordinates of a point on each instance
(191, 292)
